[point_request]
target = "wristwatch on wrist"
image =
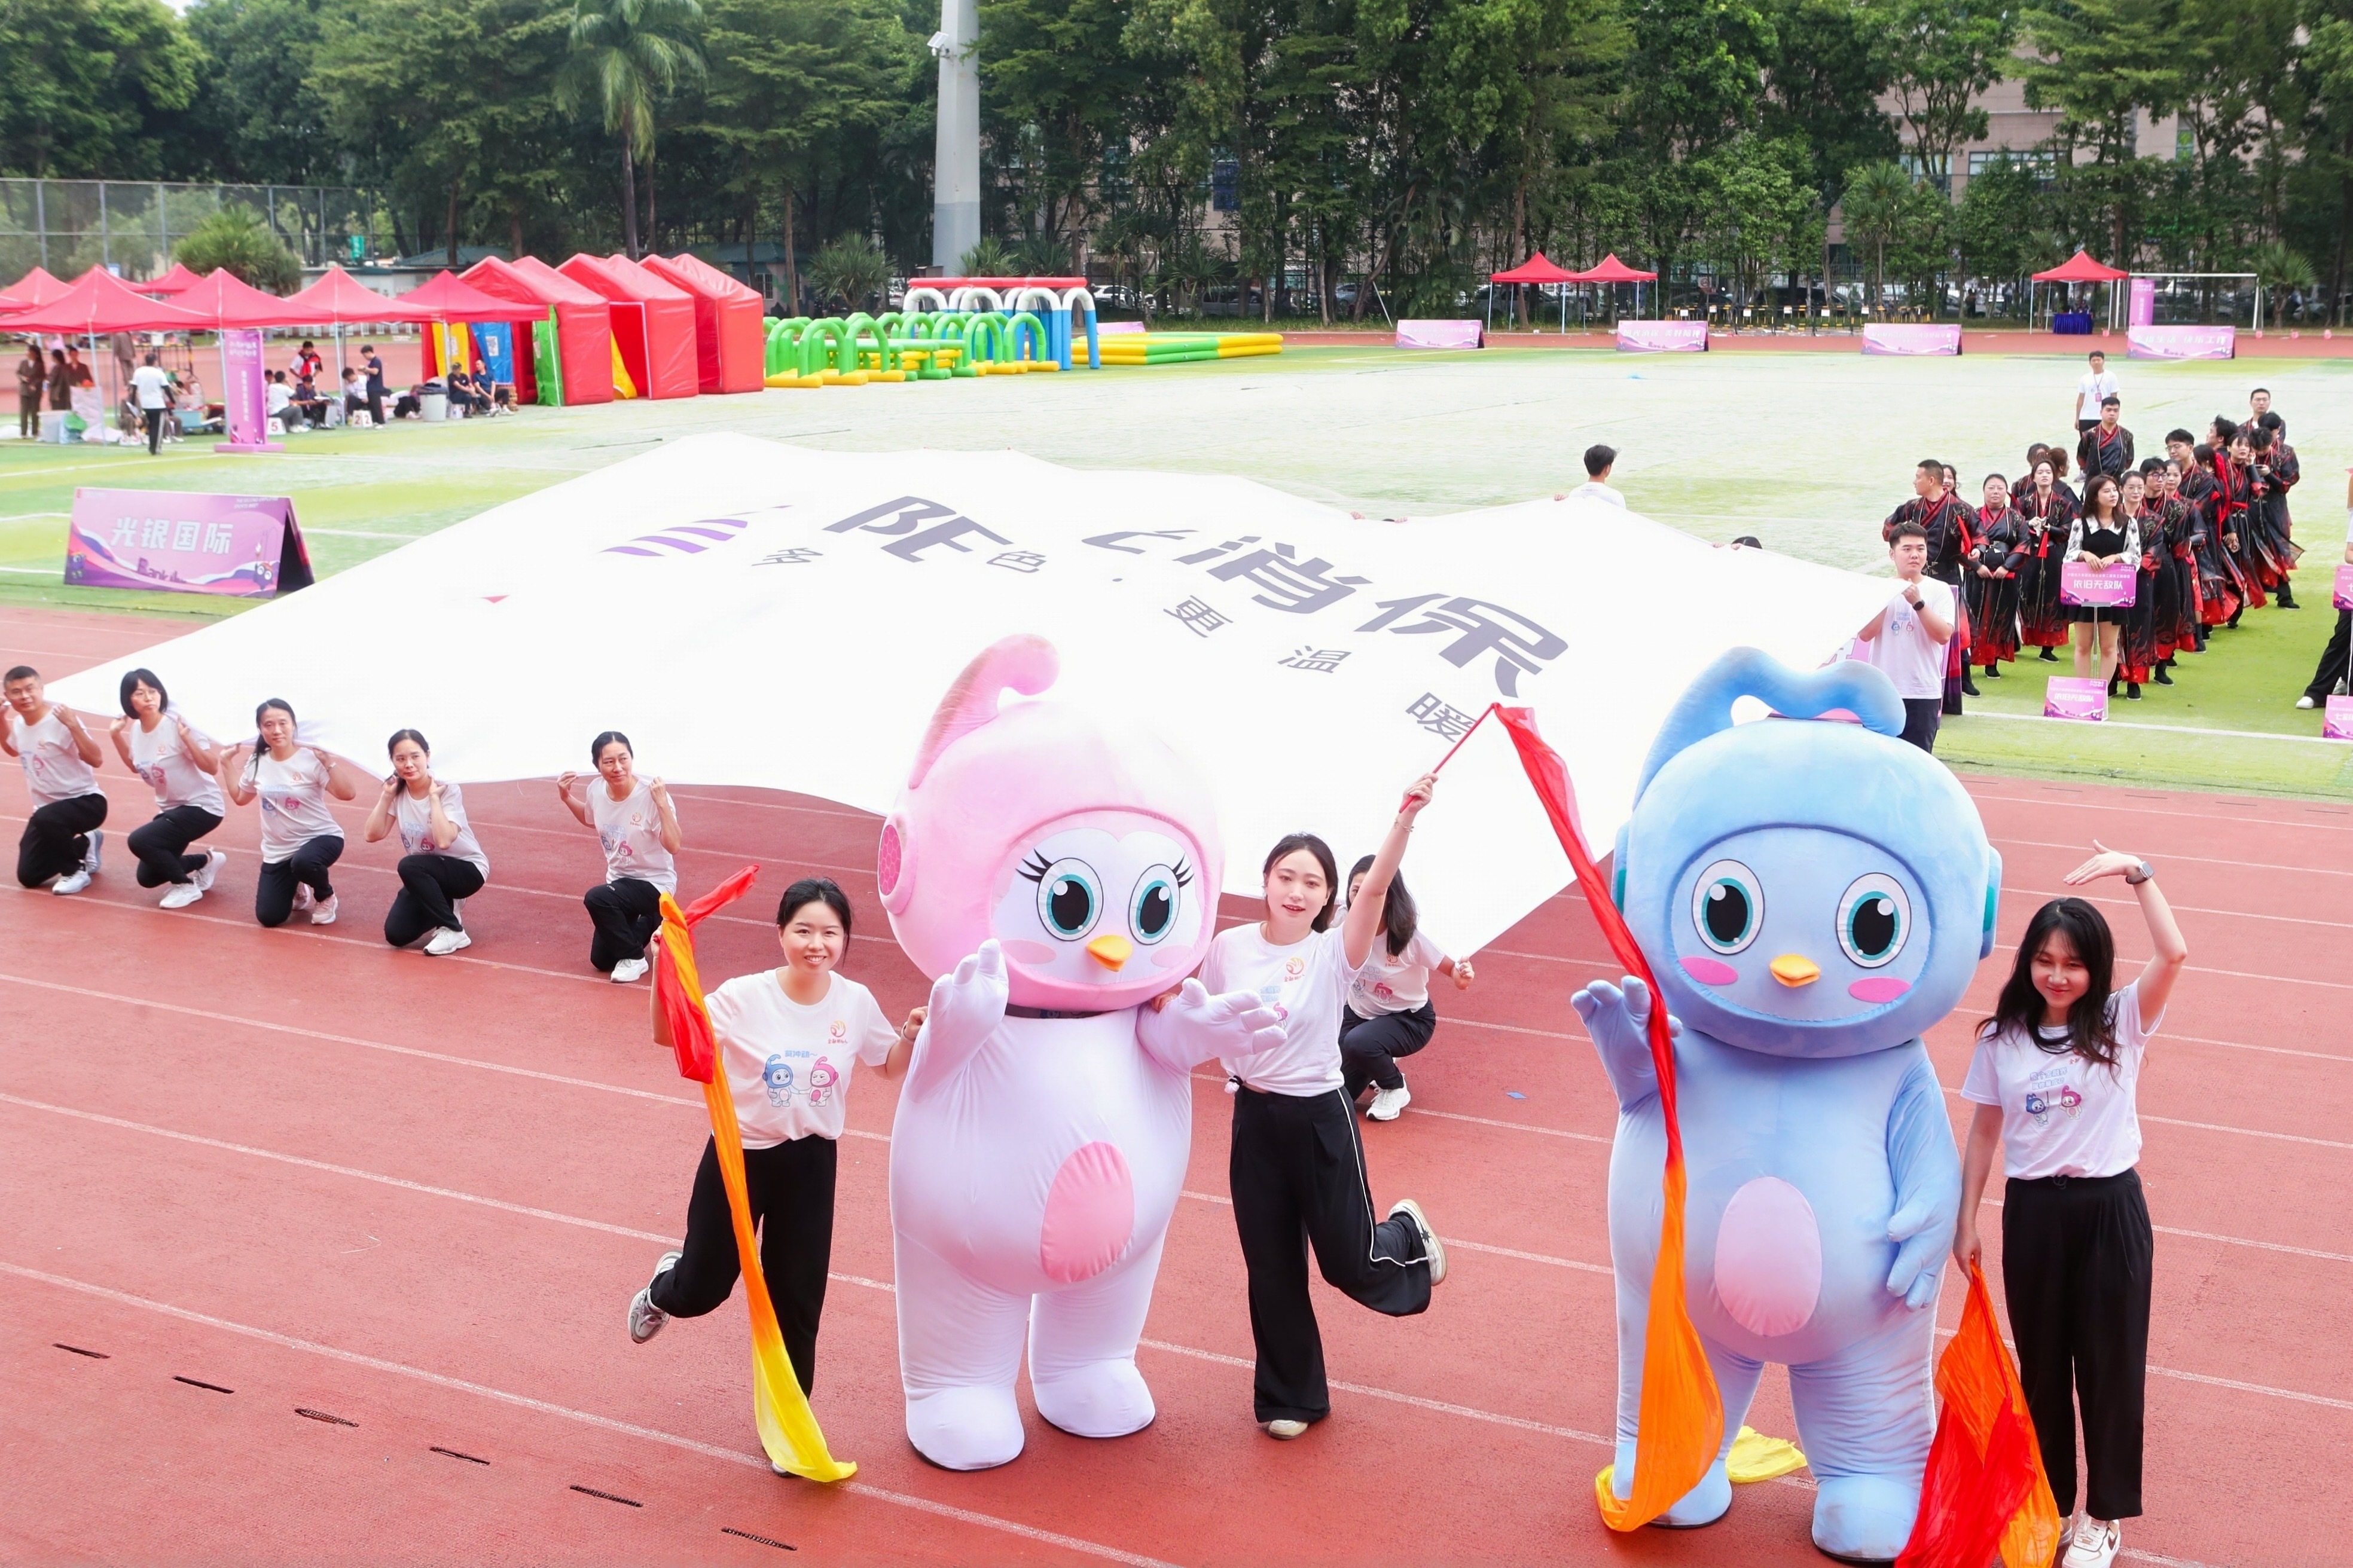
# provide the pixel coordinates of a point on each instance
(2133, 880)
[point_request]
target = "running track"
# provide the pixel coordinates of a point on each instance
(390, 1210)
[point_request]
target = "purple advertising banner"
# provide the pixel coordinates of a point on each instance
(2144, 302)
(2098, 587)
(186, 543)
(1889, 338)
(1663, 337)
(243, 386)
(2181, 342)
(1439, 335)
(2340, 724)
(2075, 697)
(2344, 599)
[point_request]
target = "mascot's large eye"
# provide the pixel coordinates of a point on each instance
(1728, 906)
(1875, 919)
(1069, 895)
(1153, 913)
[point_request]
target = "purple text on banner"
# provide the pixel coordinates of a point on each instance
(2344, 587)
(2340, 724)
(1439, 335)
(2098, 587)
(1663, 337)
(2075, 697)
(2143, 301)
(1890, 338)
(2181, 342)
(184, 542)
(243, 386)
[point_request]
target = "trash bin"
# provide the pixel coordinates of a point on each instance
(53, 426)
(433, 406)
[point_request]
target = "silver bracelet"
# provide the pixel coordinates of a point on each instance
(2133, 881)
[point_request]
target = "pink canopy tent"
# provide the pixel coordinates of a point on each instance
(1536, 269)
(2077, 268)
(178, 280)
(729, 334)
(653, 322)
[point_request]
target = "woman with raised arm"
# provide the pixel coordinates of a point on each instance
(178, 762)
(441, 862)
(299, 837)
(638, 826)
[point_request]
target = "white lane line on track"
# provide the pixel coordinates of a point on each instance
(2103, 803)
(2194, 859)
(2218, 1127)
(2179, 908)
(585, 1418)
(1452, 1241)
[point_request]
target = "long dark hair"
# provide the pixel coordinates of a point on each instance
(1292, 844)
(260, 746)
(138, 678)
(2020, 1007)
(1397, 914)
(2092, 487)
(815, 891)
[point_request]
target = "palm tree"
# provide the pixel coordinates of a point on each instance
(1873, 208)
(626, 54)
(988, 257)
(2278, 267)
(852, 269)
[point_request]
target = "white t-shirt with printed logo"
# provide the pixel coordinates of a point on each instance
(1400, 984)
(630, 830)
(2095, 390)
(1904, 651)
(788, 1066)
(293, 804)
(2061, 1114)
(162, 759)
(1304, 984)
(54, 769)
(414, 817)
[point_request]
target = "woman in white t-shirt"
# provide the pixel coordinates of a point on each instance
(1389, 1013)
(177, 760)
(1296, 1171)
(638, 826)
(2053, 1080)
(299, 837)
(441, 862)
(787, 1037)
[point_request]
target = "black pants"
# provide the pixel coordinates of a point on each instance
(1923, 717)
(790, 1189)
(152, 419)
(2076, 1262)
(273, 890)
(1297, 1174)
(56, 838)
(1370, 1047)
(162, 846)
(2331, 668)
(626, 914)
(430, 887)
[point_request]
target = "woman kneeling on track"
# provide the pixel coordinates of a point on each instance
(1297, 1171)
(2054, 1078)
(178, 762)
(1388, 1014)
(300, 838)
(441, 863)
(638, 828)
(778, 1032)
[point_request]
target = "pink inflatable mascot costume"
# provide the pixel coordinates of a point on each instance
(1055, 876)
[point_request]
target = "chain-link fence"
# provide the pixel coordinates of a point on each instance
(68, 226)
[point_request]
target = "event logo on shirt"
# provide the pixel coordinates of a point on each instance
(1293, 968)
(822, 1077)
(837, 1032)
(779, 1075)
(1272, 996)
(2040, 1101)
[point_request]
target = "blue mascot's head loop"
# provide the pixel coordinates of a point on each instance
(1706, 707)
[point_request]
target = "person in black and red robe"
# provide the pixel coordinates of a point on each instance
(2138, 649)
(2106, 447)
(2044, 512)
(1997, 555)
(2233, 481)
(2195, 490)
(2274, 471)
(1946, 520)
(2177, 591)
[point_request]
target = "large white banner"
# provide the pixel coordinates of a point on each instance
(752, 614)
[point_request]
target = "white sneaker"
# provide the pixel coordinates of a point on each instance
(304, 898)
(1431, 1247)
(1388, 1102)
(630, 970)
(323, 914)
(203, 877)
(2094, 1544)
(73, 883)
(447, 940)
(646, 1319)
(180, 895)
(89, 856)
(2306, 702)
(1285, 1430)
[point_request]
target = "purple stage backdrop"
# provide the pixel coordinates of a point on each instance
(1662, 337)
(182, 541)
(2181, 342)
(1890, 338)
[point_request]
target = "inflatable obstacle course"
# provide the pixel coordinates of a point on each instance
(1181, 348)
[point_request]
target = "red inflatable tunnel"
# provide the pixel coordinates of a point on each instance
(583, 327)
(731, 332)
(653, 320)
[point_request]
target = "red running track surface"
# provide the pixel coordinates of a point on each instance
(412, 1196)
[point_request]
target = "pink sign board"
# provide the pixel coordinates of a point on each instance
(180, 541)
(1439, 335)
(2098, 587)
(2075, 697)
(2181, 342)
(2338, 725)
(1890, 338)
(2344, 587)
(2144, 302)
(243, 389)
(1114, 328)
(1663, 337)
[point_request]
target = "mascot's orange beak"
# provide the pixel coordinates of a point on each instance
(1794, 970)
(1111, 952)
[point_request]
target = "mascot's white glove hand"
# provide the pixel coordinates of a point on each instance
(1192, 1026)
(1923, 1227)
(1618, 1022)
(965, 1009)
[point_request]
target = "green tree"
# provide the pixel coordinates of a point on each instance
(261, 117)
(1822, 86)
(1942, 55)
(1996, 221)
(851, 270)
(2099, 63)
(2327, 67)
(1874, 210)
(87, 86)
(236, 238)
(626, 56)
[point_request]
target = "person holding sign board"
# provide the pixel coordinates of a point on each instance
(2330, 677)
(2105, 534)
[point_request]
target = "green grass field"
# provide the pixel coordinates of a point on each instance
(1806, 451)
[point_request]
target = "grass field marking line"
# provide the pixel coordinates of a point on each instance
(2194, 859)
(354, 534)
(33, 570)
(2110, 806)
(2160, 728)
(23, 516)
(585, 1418)
(2181, 909)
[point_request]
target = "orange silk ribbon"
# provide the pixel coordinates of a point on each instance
(1985, 1489)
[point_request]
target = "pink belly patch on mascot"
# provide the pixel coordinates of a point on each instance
(1769, 1258)
(1091, 1214)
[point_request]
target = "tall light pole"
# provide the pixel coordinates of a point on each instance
(956, 161)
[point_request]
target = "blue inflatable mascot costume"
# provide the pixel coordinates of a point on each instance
(1812, 897)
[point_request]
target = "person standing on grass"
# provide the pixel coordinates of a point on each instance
(1997, 556)
(1389, 1013)
(60, 843)
(2105, 534)
(1908, 638)
(179, 763)
(638, 826)
(2333, 677)
(31, 375)
(2096, 387)
(61, 383)
(373, 365)
(441, 862)
(2047, 514)
(153, 387)
(2108, 446)
(2274, 470)
(299, 837)
(2054, 1081)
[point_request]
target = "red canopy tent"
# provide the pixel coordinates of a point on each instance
(1609, 269)
(448, 298)
(338, 298)
(653, 321)
(35, 287)
(731, 343)
(571, 335)
(227, 302)
(2077, 268)
(99, 302)
(1536, 269)
(178, 280)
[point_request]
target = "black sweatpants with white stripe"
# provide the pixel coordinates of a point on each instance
(1297, 1174)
